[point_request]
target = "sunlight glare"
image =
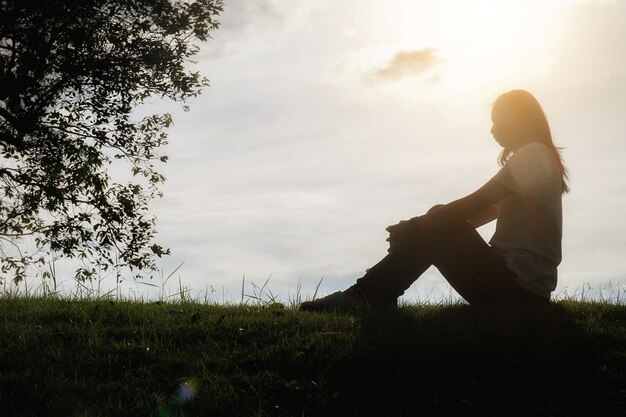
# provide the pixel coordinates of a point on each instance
(483, 43)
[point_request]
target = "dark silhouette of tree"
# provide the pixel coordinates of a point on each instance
(71, 74)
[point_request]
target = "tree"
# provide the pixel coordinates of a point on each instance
(72, 72)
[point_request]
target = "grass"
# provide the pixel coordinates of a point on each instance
(115, 357)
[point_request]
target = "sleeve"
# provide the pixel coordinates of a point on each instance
(527, 172)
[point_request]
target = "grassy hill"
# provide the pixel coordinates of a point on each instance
(108, 358)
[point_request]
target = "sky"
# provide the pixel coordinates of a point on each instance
(327, 121)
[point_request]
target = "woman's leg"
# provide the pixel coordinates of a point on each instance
(474, 269)
(477, 271)
(387, 280)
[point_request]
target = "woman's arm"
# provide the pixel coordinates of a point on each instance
(471, 207)
(475, 207)
(486, 216)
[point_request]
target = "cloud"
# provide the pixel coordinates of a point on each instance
(407, 63)
(244, 18)
(244, 22)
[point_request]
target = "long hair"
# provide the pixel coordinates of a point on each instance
(527, 106)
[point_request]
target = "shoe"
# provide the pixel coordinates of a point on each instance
(342, 302)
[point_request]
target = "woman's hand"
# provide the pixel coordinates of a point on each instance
(398, 235)
(394, 228)
(393, 237)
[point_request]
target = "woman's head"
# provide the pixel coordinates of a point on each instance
(518, 119)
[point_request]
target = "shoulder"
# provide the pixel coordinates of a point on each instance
(534, 167)
(533, 148)
(533, 153)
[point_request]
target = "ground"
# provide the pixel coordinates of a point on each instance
(114, 357)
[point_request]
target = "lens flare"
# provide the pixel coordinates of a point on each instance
(187, 391)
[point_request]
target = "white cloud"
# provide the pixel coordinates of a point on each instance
(407, 63)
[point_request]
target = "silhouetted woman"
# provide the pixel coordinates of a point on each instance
(519, 265)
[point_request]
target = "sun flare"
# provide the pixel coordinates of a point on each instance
(481, 43)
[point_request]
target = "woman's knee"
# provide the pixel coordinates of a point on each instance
(435, 207)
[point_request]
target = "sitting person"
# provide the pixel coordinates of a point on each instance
(519, 265)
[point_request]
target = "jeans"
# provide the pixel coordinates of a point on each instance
(472, 267)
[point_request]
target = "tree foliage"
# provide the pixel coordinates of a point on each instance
(71, 74)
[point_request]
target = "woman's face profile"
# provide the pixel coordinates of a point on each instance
(505, 126)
